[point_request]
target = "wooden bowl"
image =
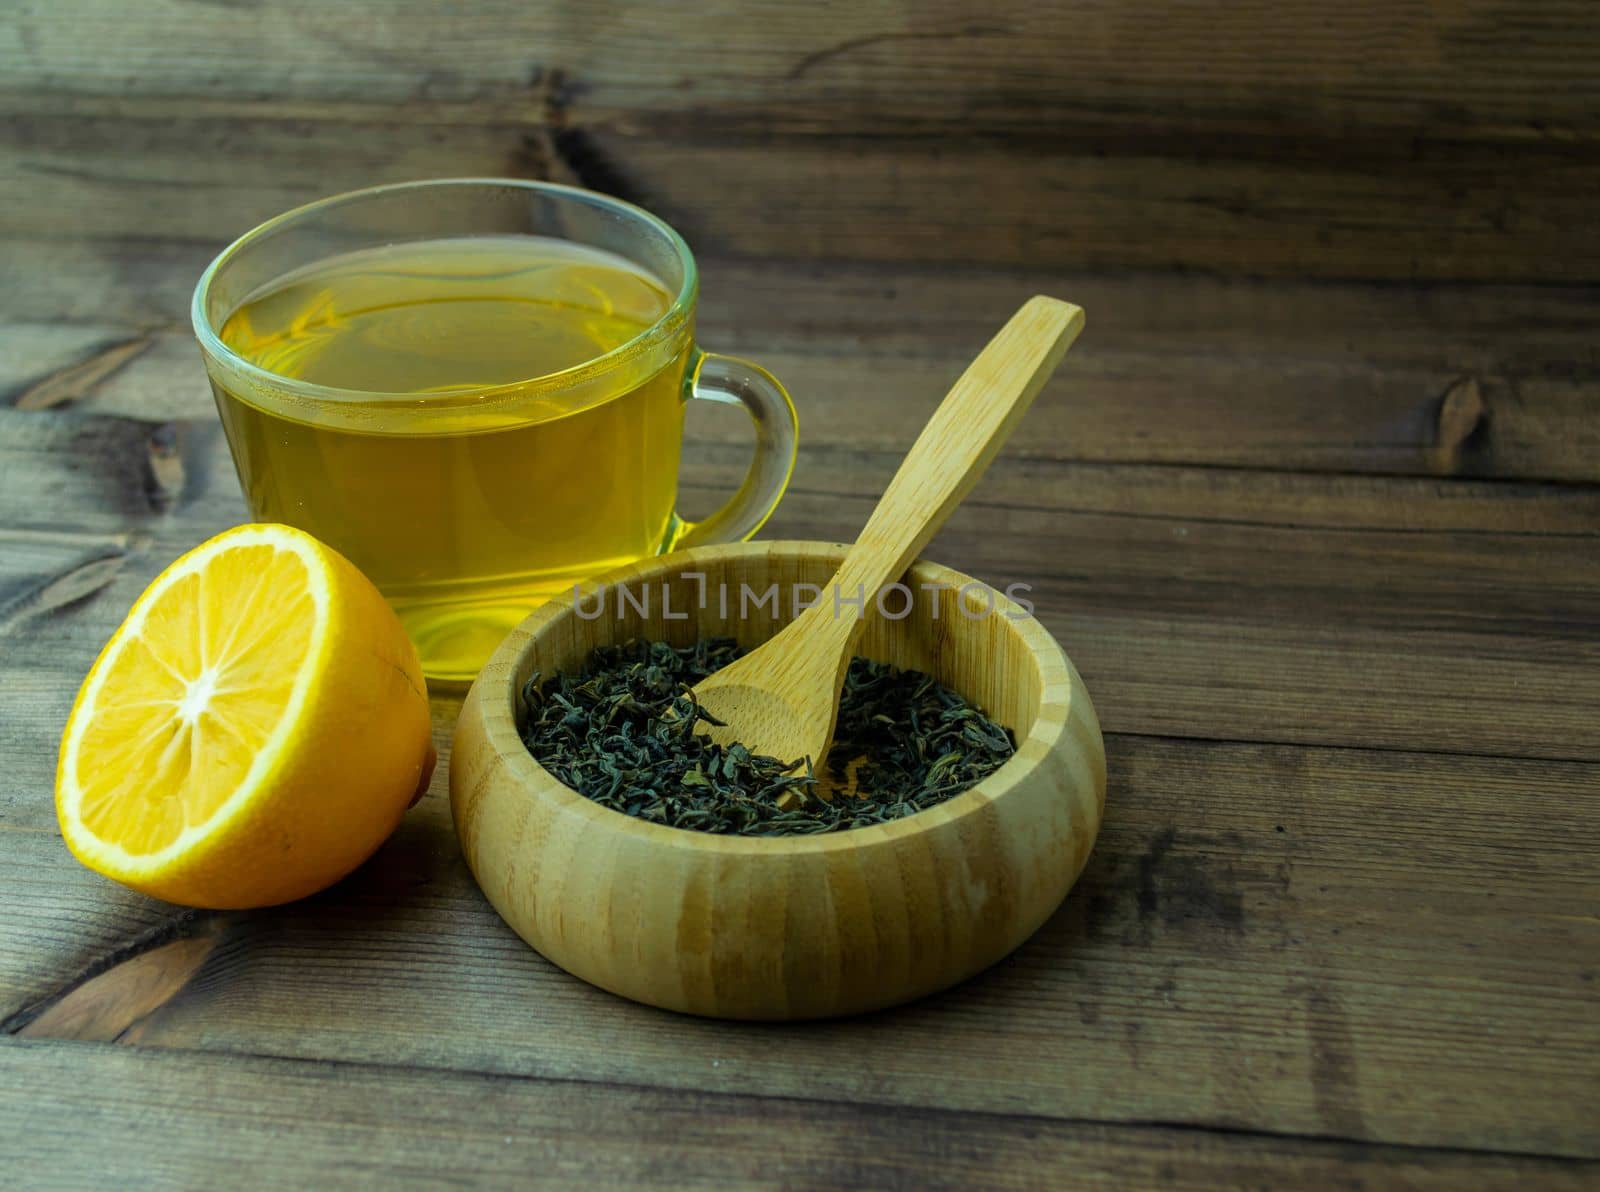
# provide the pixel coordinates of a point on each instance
(798, 926)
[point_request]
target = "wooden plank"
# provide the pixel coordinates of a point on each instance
(1276, 207)
(43, 572)
(714, 461)
(1347, 943)
(1211, 675)
(1530, 586)
(135, 285)
(1295, 635)
(1108, 406)
(1270, 206)
(1251, 411)
(65, 472)
(1483, 68)
(125, 425)
(69, 1113)
(1367, 633)
(55, 287)
(1407, 961)
(1182, 551)
(46, 459)
(1171, 370)
(1216, 659)
(147, 467)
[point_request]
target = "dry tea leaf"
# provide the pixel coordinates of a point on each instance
(622, 732)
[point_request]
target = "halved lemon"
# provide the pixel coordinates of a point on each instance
(251, 733)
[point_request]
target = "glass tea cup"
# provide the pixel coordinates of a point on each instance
(474, 390)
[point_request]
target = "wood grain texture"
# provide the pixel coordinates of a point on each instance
(111, 1002)
(1409, 960)
(195, 1120)
(1285, 615)
(912, 310)
(1411, 141)
(1178, 371)
(50, 458)
(1365, 630)
(1278, 206)
(1517, 71)
(905, 310)
(789, 927)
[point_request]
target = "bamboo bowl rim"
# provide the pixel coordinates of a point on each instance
(499, 704)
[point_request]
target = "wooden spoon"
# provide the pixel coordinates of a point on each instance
(781, 698)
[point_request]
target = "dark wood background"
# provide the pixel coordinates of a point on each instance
(1313, 505)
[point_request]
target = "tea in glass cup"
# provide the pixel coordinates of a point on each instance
(474, 390)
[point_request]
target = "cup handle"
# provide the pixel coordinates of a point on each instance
(735, 382)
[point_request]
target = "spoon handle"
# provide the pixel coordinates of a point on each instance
(959, 442)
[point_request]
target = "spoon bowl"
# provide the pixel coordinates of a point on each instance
(785, 927)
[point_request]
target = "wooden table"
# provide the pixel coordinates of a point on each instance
(1313, 505)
